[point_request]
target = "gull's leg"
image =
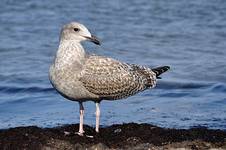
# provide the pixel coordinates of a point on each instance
(97, 116)
(81, 111)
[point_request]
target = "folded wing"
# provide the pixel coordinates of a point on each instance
(111, 79)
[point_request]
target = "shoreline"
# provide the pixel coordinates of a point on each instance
(120, 136)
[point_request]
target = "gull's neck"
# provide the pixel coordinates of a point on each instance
(69, 52)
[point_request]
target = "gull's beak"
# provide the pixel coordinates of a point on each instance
(93, 39)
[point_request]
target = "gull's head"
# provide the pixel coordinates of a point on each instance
(77, 32)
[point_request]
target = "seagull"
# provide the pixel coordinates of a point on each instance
(82, 77)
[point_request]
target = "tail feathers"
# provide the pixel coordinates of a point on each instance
(159, 70)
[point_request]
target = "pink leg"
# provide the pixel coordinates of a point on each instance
(81, 110)
(97, 117)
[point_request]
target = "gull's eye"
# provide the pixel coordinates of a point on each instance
(76, 29)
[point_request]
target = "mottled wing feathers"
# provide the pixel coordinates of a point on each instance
(145, 73)
(111, 79)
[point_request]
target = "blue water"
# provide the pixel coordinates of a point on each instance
(190, 36)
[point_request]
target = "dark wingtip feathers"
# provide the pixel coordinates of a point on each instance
(159, 70)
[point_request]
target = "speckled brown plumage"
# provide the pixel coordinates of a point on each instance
(111, 79)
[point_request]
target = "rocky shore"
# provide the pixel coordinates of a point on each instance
(123, 136)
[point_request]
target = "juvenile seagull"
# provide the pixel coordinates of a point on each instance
(81, 77)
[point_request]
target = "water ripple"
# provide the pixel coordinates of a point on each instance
(190, 40)
(182, 85)
(17, 89)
